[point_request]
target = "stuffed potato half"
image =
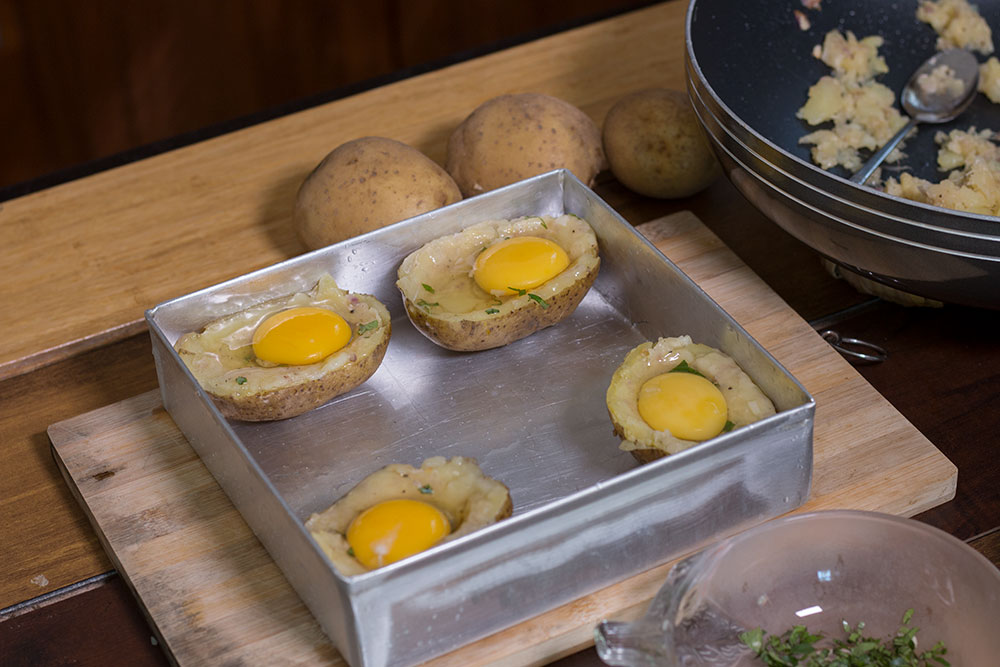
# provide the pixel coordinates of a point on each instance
(740, 400)
(445, 299)
(223, 357)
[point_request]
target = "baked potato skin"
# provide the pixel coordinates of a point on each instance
(513, 137)
(297, 399)
(366, 184)
(471, 335)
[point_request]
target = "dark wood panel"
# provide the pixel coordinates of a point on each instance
(86, 80)
(101, 626)
(941, 375)
(36, 506)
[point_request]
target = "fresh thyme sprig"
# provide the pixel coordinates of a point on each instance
(798, 648)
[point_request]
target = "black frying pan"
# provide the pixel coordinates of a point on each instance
(760, 63)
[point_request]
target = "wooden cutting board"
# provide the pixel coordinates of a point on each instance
(215, 596)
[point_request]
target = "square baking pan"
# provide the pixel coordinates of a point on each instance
(532, 413)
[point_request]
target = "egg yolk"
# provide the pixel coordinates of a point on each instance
(519, 263)
(300, 336)
(687, 405)
(395, 529)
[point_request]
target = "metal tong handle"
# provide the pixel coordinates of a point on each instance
(864, 352)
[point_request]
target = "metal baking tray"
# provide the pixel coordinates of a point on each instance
(533, 413)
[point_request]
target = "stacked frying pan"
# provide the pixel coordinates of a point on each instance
(749, 66)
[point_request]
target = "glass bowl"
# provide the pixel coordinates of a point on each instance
(817, 569)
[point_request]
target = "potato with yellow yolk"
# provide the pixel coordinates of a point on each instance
(499, 281)
(400, 510)
(670, 395)
(283, 357)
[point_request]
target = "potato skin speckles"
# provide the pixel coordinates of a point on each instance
(487, 150)
(655, 145)
(366, 184)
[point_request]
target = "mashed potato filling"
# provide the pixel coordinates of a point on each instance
(974, 183)
(861, 110)
(989, 79)
(958, 25)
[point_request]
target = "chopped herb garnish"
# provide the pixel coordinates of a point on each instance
(520, 292)
(428, 288)
(350, 551)
(426, 488)
(539, 300)
(683, 367)
(241, 380)
(426, 305)
(799, 647)
(365, 328)
(728, 426)
(542, 220)
(492, 311)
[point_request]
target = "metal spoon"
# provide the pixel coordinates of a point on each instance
(930, 105)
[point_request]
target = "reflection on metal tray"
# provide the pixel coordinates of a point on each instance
(533, 414)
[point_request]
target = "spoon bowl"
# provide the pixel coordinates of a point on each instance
(937, 92)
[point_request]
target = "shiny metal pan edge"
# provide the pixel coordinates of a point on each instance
(585, 514)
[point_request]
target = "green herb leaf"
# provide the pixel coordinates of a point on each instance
(539, 300)
(683, 367)
(520, 292)
(492, 311)
(542, 220)
(350, 551)
(241, 380)
(365, 328)
(728, 426)
(426, 488)
(428, 288)
(798, 646)
(426, 305)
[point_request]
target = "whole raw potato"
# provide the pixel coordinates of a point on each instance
(365, 184)
(511, 137)
(656, 147)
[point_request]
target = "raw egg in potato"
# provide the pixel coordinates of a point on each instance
(286, 356)
(498, 281)
(400, 510)
(670, 395)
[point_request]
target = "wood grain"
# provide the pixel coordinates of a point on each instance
(93, 254)
(105, 76)
(46, 541)
(205, 580)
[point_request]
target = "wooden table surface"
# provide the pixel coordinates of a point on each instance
(84, 260)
